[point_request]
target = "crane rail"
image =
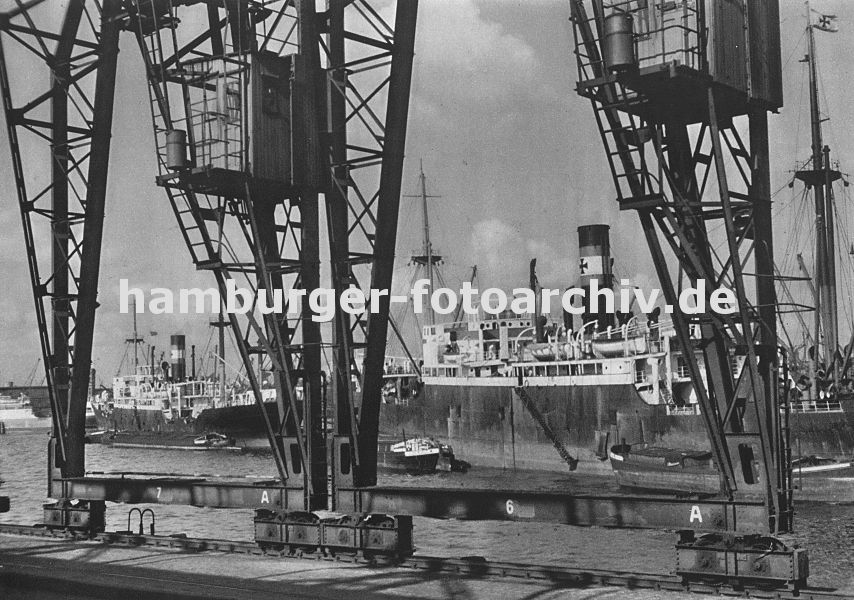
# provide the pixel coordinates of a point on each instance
(467, 566)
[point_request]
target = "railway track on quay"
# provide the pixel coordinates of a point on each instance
(475, 567)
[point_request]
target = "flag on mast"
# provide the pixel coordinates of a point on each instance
(825, 22)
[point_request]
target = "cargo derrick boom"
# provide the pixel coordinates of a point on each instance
(667, 104)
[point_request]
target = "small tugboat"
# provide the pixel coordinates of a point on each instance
(664, 469)
(213, 440)
(419, 456)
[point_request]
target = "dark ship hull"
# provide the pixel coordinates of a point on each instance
(244, 423)
(824, 428)
(490, 425)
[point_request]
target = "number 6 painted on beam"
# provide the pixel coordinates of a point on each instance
(509, 507)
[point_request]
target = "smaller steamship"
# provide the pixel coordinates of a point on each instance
(158, 404)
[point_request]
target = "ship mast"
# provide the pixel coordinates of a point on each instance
(820, 178)
(428, 246)
(135, 340)
(220, 325)
(426, 258)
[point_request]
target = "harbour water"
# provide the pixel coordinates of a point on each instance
(827, 530)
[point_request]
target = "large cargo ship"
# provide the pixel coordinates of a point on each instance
(509, 392)
(519, 391)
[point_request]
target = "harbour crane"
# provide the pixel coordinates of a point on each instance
(673, 85)
(263, 113)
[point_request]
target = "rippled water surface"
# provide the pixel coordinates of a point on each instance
(826, 530)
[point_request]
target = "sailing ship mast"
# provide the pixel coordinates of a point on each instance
(426, 259)
(820, 179)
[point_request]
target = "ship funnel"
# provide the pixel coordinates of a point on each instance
(178, 366)
(594, 255)
(594, 263)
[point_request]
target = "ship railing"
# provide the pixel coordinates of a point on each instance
(561, 369)
(144, 371)
(398, 365)
(196, 388)
(816, 406)
(685, 410)
(652, 334)
(216, 112)
(441, 371)
(664, 31)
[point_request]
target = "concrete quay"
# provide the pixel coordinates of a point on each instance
(50, 569)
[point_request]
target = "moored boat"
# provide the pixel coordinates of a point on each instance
(418, 456)
(213, 440)
(804, 466)
(664, 469)
(17, 413)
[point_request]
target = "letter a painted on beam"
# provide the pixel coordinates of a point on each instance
(695, 514)
(265, 499)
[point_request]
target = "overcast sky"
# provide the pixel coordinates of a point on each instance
(505, 141)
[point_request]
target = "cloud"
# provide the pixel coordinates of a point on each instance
(473, 55)
(502, 252)
(492, 241)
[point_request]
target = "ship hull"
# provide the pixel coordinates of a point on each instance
(489, 425)
(244, 423)
(824, 433)
(27, 422)
(22, 418)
